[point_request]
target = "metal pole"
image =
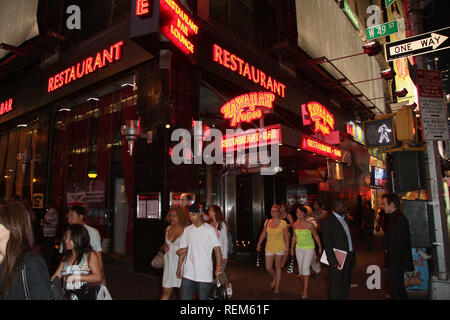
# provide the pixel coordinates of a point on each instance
(440, 285)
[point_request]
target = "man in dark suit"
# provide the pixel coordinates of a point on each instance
(397, 245)
(336, 235)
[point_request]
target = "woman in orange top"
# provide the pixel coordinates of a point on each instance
(277, 244)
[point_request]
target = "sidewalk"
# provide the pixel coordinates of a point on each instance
(252, 283)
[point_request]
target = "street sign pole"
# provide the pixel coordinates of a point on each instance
(440, 284)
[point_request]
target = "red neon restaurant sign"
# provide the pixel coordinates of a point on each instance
(243, 108)
(319, 147)
(177, 26)
(322, 118)
(87, 66)
(142, 8)
(252, 138)
(246, 70)
(6, 106)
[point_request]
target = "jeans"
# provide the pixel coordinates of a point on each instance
(189, 288)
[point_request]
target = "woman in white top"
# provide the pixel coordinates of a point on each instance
(80, 270)
(178, 221)
(218, 222)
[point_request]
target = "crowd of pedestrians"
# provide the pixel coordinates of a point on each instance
(196, 245)
(25, 272)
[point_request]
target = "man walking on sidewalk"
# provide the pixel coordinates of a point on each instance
(197, 243)
(397, 245)
(336, 235)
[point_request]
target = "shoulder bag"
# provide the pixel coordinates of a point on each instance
(158, 260)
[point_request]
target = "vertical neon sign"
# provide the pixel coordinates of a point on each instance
(142, 8)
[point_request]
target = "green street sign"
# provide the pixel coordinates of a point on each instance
(351, 15)
(385, 29)
(389, 2)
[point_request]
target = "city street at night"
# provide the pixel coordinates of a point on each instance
(232, 156)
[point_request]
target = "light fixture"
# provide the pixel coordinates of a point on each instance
(94, 98)
(92, 174)
(401, 93)
(372, 48)
(131, 131)
(388, 74)
(127, 85)
(22, 125)
(167, 126)
(299, 149)
(64, 109)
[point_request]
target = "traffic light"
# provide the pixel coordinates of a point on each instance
(405, 124)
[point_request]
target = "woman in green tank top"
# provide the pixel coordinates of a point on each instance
(303, 242)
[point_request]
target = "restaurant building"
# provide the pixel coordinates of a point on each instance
(110, 106)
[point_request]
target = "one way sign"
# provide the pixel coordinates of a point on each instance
(417, 45)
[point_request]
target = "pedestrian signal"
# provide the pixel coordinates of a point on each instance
(380, 132)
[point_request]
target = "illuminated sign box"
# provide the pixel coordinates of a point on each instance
(178, 26)
(6, 106)
(322, 148)
(379, 133)
(252, 138)
(243, 108)
(89, 65)
(378, 177)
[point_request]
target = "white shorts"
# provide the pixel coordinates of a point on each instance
(304, 259)
(281, 253)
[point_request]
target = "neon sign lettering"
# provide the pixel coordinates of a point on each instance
(142, 8)
(6, 106)
(178, 26)
(322, 118)
(246, 140)
(246, 70)
(321, 148)
(243, 108)
(87, 66)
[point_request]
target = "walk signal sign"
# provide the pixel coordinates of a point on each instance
(380, 133)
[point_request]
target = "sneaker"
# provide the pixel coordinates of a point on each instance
(229, 291)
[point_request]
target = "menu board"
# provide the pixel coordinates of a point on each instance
(149, 205)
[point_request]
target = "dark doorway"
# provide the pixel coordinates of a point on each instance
(243, 213)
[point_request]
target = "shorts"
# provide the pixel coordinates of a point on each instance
(280, 253)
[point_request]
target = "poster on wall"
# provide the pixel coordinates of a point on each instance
(38, 201)
(175, 198)
(418, 279)
(149, 205)
(91, 196)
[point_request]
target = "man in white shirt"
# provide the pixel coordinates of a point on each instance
(197, 243)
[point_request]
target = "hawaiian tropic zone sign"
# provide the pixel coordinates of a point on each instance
(417, 45)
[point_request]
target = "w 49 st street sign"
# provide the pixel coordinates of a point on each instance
(417, 45)
(385, 29)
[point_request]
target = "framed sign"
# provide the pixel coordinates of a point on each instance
(149, 205)
(38, 201)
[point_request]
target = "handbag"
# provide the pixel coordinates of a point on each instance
(158, 260)
(103, 294)
(56, 290)
(218, 291)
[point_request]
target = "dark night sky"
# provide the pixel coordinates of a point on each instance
(437, 16)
